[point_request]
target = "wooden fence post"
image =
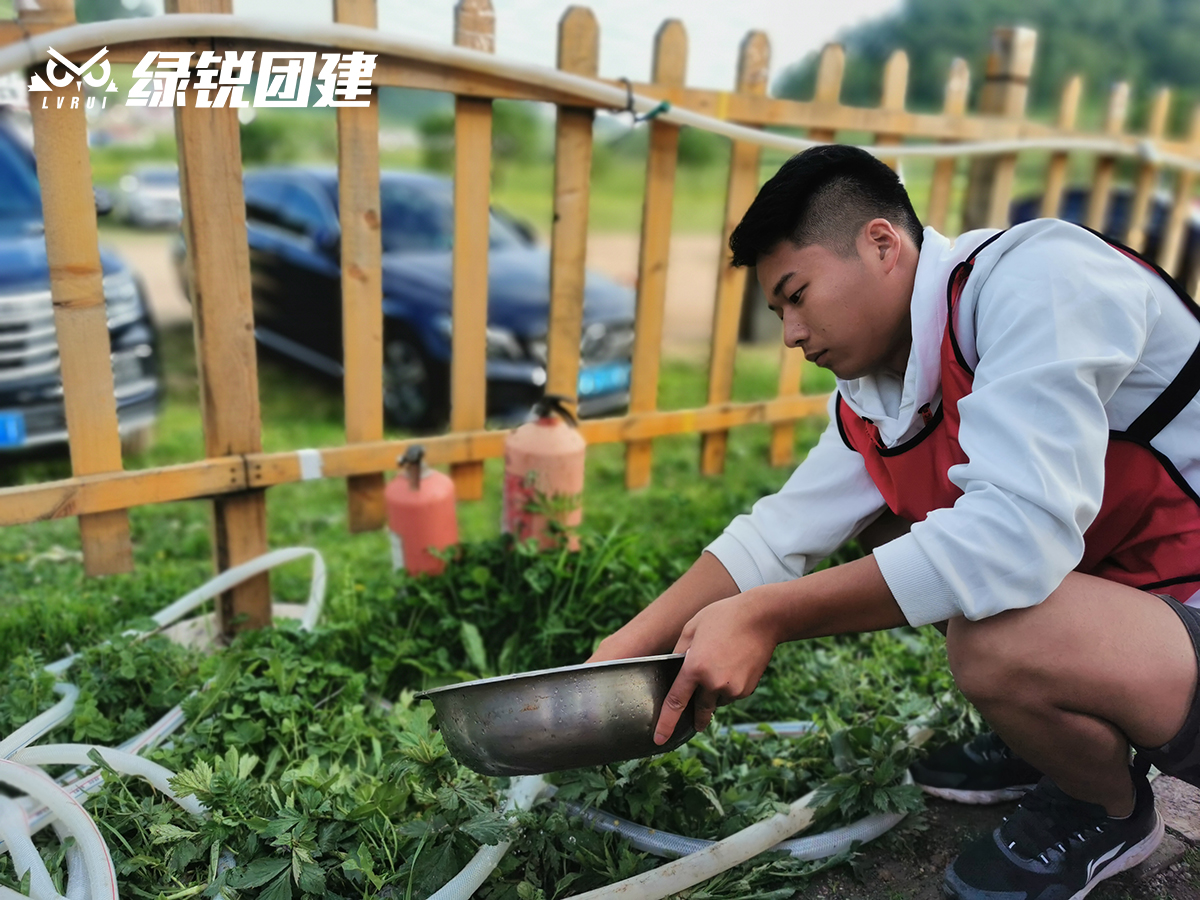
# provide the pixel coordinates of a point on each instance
(830, 70)
(754, 63)
(77, 292)
(1056, 169)
(475, 29)
(214, 226)
(1169, 256)
(362, 281)
(578, 52)
(1147, 175)
(670, 69)
(1102, 176)
(954, 103)
(895, 88)
(1004, 93)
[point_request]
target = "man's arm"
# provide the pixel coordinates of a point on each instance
(827, 499)
(729, 642)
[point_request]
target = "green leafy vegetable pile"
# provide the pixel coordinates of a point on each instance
(324, 779)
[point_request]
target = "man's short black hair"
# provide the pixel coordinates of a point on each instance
(823, 196)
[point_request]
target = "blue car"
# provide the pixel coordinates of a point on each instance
(31, 394)
(292, 223)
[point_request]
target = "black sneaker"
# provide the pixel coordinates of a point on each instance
(982, 770)
(1055, 848)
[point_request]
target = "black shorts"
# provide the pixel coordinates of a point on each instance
(1180, 756)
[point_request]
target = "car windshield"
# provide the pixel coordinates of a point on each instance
(19, 194)
(419, 217)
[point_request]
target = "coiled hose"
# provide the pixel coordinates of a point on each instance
(90, 874)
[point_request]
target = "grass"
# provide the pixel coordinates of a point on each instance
(47, 602)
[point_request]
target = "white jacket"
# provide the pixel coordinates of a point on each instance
(1068, 339)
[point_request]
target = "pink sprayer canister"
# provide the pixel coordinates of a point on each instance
(421, 514)
(543, 476)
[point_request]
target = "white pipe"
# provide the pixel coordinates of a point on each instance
(32, 50)
(47, 721)
(228, 579)
(102, 879)
(77, 886)
(171, 720)
(724, 854)
(117, 760)
(235, 576)
(521, 794)
(813, 846)
(14, 831)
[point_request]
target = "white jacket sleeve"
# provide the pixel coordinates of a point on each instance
(1059, 323)
(828, 499)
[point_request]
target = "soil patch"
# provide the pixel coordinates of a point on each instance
(908, 862)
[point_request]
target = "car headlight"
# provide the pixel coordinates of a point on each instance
(130, 365)
(538, 350)
(122, 299)
(503, 344)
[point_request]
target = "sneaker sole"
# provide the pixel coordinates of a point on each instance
(1138, 853)
(978, 798)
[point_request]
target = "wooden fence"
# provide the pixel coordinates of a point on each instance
(236, 472)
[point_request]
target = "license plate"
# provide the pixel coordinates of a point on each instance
(12, 428)
(604, 379)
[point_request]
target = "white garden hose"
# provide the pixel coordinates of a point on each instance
(713, 860)
(812, 847)
(117, 760)
(77, 887)
(14, 832)
(520, 795)
(101, 877)
(32, 50)
(89, 863)
(232, 577)
(46, 722)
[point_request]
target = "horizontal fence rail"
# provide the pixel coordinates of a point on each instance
(236, 471)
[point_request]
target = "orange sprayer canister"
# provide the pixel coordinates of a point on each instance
(543, 476)
(421, 515)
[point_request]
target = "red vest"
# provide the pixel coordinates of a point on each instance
(1147, 532)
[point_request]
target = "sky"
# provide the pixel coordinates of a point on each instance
(526, 30)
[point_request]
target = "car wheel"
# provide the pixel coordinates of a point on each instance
(414, 386)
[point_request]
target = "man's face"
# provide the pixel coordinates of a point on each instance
(847, 314)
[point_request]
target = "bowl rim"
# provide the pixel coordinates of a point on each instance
(516, 676)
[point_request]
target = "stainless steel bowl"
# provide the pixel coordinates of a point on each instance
(545, 721)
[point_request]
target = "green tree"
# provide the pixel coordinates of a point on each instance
(1149, 43)
(100, 10)
(516, 135)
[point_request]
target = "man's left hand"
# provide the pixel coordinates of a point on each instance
(728, 645)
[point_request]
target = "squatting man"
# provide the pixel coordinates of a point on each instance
(1026, 401)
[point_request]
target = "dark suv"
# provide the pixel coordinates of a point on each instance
(292, 223)
(31, 396)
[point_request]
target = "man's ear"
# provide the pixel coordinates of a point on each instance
(883, 243)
